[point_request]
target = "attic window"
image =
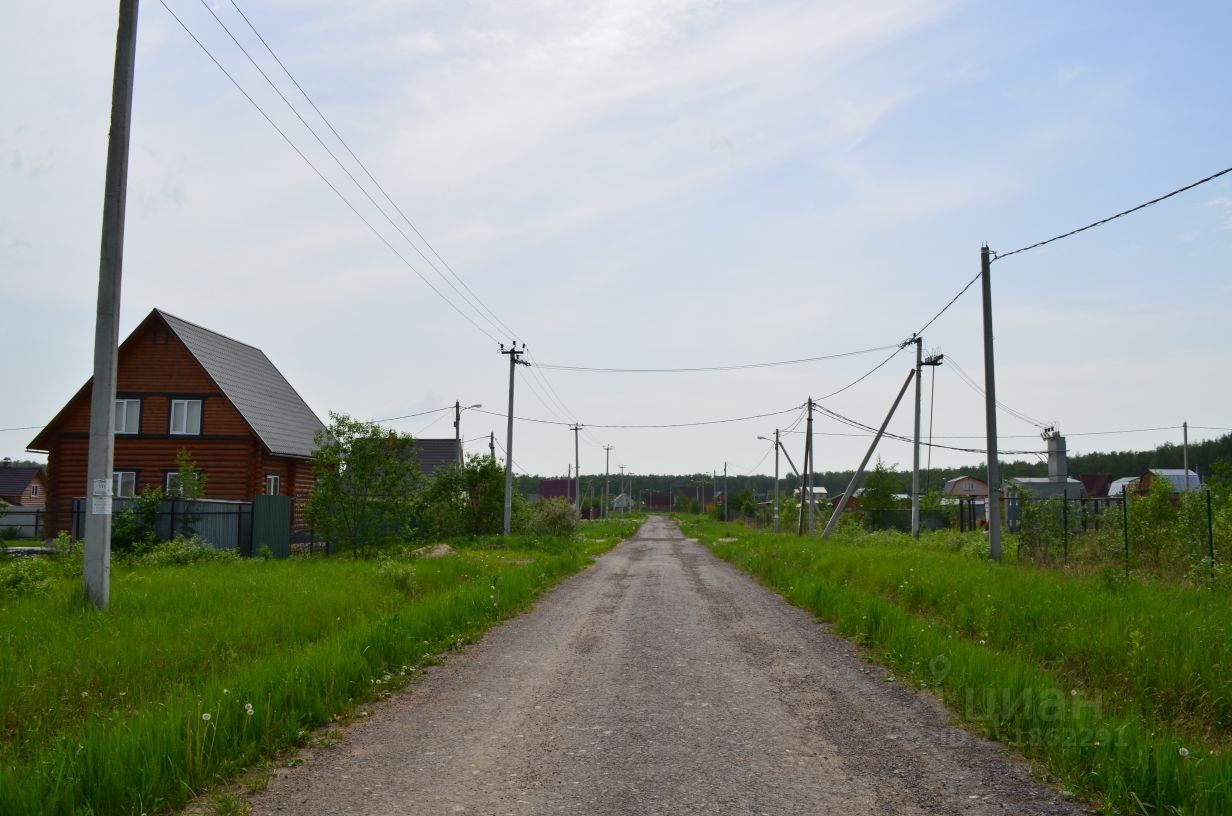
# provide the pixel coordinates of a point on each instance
(186, 417)
(128, 416)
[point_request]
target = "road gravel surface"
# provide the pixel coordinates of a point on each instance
(661, 680)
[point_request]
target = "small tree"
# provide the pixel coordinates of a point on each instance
(877, 499)
(367, 484)
(188, 483)
(470, 501)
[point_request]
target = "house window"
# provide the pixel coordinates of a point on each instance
(124, 483)
(273, 484)
(186, 417)
(127, 416)
(172, 485)
(968, 485)
(33, 491)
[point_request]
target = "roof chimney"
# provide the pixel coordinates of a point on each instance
(8, 463)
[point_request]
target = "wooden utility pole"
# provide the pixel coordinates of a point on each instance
(808, 444)
(811, 469)
(915, 453)
(492, 444)
(97, 572)
(992, 508)
(514, 360)
(1185, 462)
(726, 514)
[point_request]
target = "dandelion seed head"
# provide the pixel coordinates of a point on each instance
(206, 716)
(1184, 752)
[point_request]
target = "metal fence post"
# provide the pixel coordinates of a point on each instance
(1210, 531)
(1065, 526)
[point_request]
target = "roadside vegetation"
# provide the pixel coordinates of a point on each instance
(1120, 686)
(207, 663)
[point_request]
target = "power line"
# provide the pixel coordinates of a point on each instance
(322, 176)
(411, 416)
(650, 426)
(965, 377)
(1123, 213)
(857, 424)
(23, 428)
(695, 369)
(364, 167)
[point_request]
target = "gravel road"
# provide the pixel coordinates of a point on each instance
(659, 681)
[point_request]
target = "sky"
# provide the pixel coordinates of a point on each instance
(667, 184)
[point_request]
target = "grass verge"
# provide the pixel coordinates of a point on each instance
(1122, 690)
(199, 671)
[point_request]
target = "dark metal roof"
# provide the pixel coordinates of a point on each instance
(272, 408)
(13, 480)
(435, 454)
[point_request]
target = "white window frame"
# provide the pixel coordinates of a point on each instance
(277, 483)
(185, 407)
(34, 490)
(126, 410)
(117, 483)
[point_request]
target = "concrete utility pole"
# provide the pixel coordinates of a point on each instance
(577, 470)
(1185, 439)
(492, 444)
(992, 509)
(607, 476)
(855, 478)
(808, 443)
(514, 360)
(915, 453)
(624, 508)
(97, 572)
(776, 480)
(811, 469)
(726, 514)
(931, 360)
(457, 428)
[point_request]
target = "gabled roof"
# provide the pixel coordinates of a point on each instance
(958, 479)
(275, 411)
(1118, 485)
(272, 408)
(435, 454)
(1177, 477)
(13, 480)
(1096, 484)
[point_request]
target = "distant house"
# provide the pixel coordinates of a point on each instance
(1177, 476)
(659, 500)
(435, 454)
(558, 489)
(1119, 486)
(23, 486)
(1046, 487)
(623, 503)
(966, 486)
(1095, 485)
(182, 386)
(703, 493)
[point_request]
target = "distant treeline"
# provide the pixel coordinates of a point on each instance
(1202, 458)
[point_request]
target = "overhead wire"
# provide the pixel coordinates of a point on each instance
(492, 321)
(697, 369)
(650, 425)
(322, 176)
(371, 178)
(970, 381)
(999, 255)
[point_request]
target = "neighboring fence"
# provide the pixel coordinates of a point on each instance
(22, 522)
(225, 525)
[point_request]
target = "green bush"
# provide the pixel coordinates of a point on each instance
(25, 576)
(181, 551)
(553, 517)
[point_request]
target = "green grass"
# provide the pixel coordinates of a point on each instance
(107, 712)
(1121, 689)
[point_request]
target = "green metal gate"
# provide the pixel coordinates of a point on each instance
(271, 525)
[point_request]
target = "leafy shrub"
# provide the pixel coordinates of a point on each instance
(181, 551)
(398, 572)
(553, 517)
(25, 576)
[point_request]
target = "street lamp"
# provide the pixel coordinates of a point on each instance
(776, 475)
(457, 427)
